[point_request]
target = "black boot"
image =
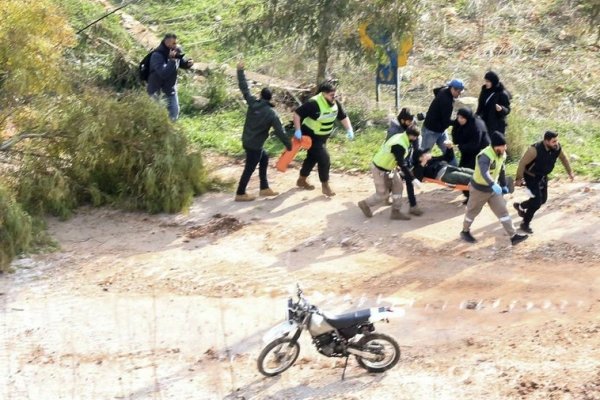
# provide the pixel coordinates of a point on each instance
(467, 237)
(525, 228)
(516, 239)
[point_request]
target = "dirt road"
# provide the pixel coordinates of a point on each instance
(174, 306)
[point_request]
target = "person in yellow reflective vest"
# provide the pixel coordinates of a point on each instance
(315, 118)
(393, 153)
(487, 186)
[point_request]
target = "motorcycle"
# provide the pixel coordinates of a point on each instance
(332, 335)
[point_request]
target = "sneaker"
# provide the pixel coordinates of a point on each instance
(467, 237)
(244, 197)
(519, 209)
(267, 192)
(516, 239)
(415, 211)
(365, 209)
(525, 228)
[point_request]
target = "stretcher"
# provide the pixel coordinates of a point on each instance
(448, 185)
(288, 155)
(510, 183)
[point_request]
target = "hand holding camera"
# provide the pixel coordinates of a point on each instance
(176, 53)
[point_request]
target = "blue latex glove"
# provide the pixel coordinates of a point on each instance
(298, 134)
(504, 189)
(497, 189)
(350, 134)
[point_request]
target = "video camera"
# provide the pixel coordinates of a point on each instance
(179, 53)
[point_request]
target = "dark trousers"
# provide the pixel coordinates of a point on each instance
(254, 158)
(467, 160)
(539, 188)
(410, 191)
(457, 175)
(317, 154)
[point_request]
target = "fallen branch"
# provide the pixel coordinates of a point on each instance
(104, 16)
(6, 145)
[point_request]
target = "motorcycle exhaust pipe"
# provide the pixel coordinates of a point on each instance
(363, 354)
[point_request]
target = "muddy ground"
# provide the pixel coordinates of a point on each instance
(174, 306)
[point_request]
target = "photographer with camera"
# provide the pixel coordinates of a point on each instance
(166, 59)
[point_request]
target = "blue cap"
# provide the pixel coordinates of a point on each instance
(457, 84)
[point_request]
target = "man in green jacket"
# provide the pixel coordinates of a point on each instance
(487, 186)
(260, 118)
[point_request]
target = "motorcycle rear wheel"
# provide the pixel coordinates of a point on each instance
(384, 346)
(278, 356)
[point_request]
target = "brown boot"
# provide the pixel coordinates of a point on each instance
(244, 197)
(267, 192)
(326, 189)
(397, 214)
(365, 208)
(303, 183)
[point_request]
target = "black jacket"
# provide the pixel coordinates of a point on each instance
(433, 166)
(260, 118)
(440, 111)
(163, 71)
(471, 137)
(486, 108)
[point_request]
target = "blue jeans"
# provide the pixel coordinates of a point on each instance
(430, 138)
(172, 103)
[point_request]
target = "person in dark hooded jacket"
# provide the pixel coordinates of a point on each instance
(166, 59)
(470, 134)
(494, 103)
(260, 118)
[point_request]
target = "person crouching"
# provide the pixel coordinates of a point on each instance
(393, 154)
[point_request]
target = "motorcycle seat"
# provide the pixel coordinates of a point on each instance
(349, 319)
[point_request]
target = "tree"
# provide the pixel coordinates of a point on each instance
(33, 37)
(330, 26)
(591, 8)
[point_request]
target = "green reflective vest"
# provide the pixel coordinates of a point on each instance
(384, 158)
(496, 163)
(328, 113)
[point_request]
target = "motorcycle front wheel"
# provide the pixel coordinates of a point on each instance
(278, 356)
(383, 346)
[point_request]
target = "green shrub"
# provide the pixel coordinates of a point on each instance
(519, 134)
(107, 150)
(123, 74)
(186, 92)
(15, 229)
(216, 90)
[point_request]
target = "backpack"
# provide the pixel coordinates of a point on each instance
(144, 67)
